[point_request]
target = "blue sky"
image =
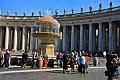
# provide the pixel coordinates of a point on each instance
(52, 5)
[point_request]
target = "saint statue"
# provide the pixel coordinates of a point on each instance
(32, 13)
(90, 8)
(8, 13)
(110, 4)
(56, 12)
(100, 6)
(72, 11)
(24, 13)
(16, 13)
(40, 13)
(64, 12)
(81, 9)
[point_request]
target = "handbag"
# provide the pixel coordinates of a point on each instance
(107, 73)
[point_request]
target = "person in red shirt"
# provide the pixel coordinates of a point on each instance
(86, 63)
(72, 63)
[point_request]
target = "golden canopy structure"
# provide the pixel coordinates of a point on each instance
(48, 20)
(49, 33)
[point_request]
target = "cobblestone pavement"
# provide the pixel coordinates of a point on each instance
(15, 73)
(94, 74)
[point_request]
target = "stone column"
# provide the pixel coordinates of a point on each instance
(72, 37)
(1, 37)
(39, 29)
(114, 38)
(36, 40)
(81, 37)
(31, 39)
(103, 39)
(84, 38)
(64, 38)
(7, 37)
(39, 41)
(15, 39)
(119, 37)
(110, 36)
(56, 44)
(90, 37)
(100, 37)
(75, 38)
(23, 38)
(94, 39)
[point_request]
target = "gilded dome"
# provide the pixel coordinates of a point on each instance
(48, 20)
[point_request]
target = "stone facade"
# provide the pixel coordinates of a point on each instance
(96, 31)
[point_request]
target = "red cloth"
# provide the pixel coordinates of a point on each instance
(45, 63)
(86, 58)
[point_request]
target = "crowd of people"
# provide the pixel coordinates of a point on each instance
(67, 59)
(74, 59)
(4, 58)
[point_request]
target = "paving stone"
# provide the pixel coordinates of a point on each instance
(94, 74)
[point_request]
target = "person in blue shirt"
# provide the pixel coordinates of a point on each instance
(82, 64)
(34, 55)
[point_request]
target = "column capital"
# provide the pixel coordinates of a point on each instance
(90, 23)
(15, 27)
(110, 21)
(81, 25)
(72, 25)
(99, 22)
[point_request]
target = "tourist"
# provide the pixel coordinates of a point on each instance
(76, 56)
(34, 55)
(24, 59)
(59, 59)
(81, 67)
(6, 59)
(45, 61)
(86, 63)
(112, 67)
(65, 62)
(72, 63)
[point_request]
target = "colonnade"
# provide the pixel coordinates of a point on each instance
(18, 38)
(93, 36)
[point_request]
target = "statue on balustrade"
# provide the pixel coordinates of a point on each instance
(16, 13)
(8, 13)
(110, 4)
(72, 11)
(24, 13)
(100, 6)
(90, 8)
(32, 13)
(56, 12)
(81, 9)
(64, 12)
(40, 13)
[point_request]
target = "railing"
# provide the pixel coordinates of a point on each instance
(21, 17)
(67, 15)
(90, 13)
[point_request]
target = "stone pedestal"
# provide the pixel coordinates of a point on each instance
(40, 62)
(48, 49)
